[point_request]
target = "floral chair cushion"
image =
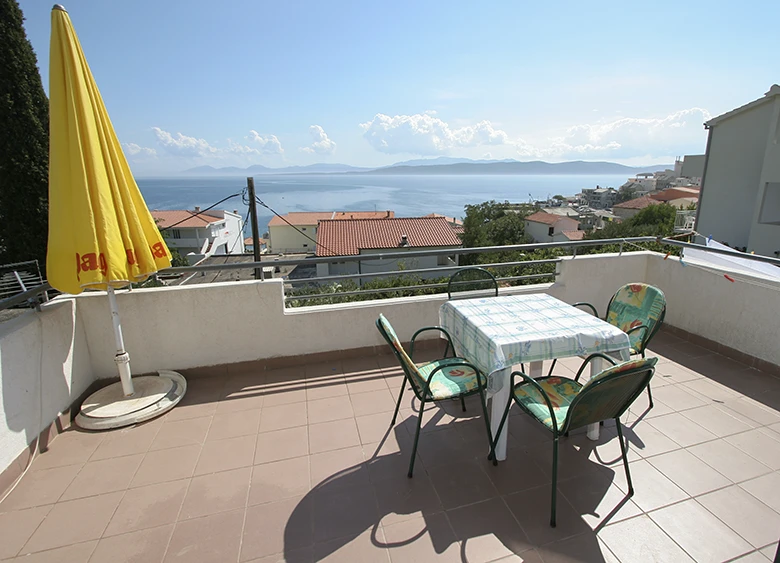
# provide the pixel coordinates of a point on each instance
(560, 390)
(633, 305)
(625, 366)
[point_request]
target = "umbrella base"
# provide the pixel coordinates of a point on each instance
(154, 395)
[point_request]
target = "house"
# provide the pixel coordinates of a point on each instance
(591, 219)
(693, 168)
(563, 210)
(599, 198)
(296, 232)
(455, 223)
(353, 237)
(739, 203)
(201, 233)
(629, 208)
(249, 245)
(679, 197)
(542, 227)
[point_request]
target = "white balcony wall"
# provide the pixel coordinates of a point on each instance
(44, 367)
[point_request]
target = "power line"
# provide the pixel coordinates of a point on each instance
(261, 202)
(199, 212)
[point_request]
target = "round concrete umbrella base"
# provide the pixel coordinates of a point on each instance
(109, 408)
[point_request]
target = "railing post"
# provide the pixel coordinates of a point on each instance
(621, 249)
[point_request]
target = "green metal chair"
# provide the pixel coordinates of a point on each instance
(562, 404)
(638, 310)
(471, 280)
(444, 379)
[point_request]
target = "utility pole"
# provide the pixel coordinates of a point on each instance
(250, 186)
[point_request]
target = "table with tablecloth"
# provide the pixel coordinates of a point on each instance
(496, 333)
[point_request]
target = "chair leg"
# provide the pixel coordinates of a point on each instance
(398, 404)
(625, 457)
(416, 438)
(552, 367)
(650, 395)
(463, 402)
(554, 482)
(487, 423)
(494, 439)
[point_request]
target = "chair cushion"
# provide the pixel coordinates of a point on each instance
(633, 305)
(625, 366)
(450, 381)
(561, 392)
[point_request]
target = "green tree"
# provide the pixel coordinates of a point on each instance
(625, 193)
(24, 144)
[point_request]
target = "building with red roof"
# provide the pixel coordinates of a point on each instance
(296, 232)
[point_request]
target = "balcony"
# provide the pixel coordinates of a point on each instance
(281, 449)
(685, 220)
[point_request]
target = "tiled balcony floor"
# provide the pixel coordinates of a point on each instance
(301, 465)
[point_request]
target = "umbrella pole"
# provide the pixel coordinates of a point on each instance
(122, 358)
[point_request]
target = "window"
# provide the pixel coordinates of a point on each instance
(770, 207)
(550, 231)
(303, 228)
(175, 233)
(305, 245)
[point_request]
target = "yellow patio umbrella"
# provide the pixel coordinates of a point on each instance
(101, 234)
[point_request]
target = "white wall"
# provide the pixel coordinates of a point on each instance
(539, 231)
(765, 237)
(285, 239)
(44, 366)
(728, 197)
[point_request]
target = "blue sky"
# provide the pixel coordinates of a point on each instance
(371, 83)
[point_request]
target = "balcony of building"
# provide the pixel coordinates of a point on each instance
(282, 448)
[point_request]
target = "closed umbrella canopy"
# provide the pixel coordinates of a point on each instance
(100, 230)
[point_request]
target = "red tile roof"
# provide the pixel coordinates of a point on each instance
(298, 218)
(546, 218)
(574, 235)
(166, 218)
(636, 203)
(347, 237)
(676, 193)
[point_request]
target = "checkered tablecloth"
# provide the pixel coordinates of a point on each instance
(498, 332)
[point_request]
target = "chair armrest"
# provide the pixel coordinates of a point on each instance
(449, 365)
(450, 345)
(593, 357)
(584, 304)
(639, 327)
(535, 385)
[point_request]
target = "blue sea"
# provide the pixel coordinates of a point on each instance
(408, 196)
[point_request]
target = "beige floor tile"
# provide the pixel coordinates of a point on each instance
(758, 445)
(279, 480)
(647, 441)
(331, 408)
(652, 489)
(681, 429)
(127, 441)
(688, 472)
(274, 527)
(374, 427)
(700, 533)
(104, 476)
(280, 394)
(678, 397)
(282, 444)
(143, 546)
(325, 387)
(379, 401)
(283, 416)
(729, 460)
(333, 435)
(40, 487)
(372, 380)
(17, 527)
(716, 421)
(422, 540)
(339, 466)
(488, 531)
(182, 433)
(74, 521)
(356, 507)
(78, 553)
(467, 485)
(148, 507)
(232, 425)
(640, 539)
(363, 548)
(766, 489)
(71, 447)
(710, 391)
(597, 500)
(211, 539)
(216, 492)
(531, 508)
(752, 410)
(743, 513)
(400, 498)
(754, 557)
(770, 552)
(223, 455)
(166, 465)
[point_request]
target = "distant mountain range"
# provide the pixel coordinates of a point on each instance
(438, 166)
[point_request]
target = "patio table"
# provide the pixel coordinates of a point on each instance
(495, 333)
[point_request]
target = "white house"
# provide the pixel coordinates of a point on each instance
(543, 227)
(296, 232)
(739, 202)
(202, 233)
(631, 207)
(354, 237)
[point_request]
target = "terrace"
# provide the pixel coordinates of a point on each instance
(282, 450)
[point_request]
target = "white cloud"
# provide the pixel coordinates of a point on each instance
(322, 144)
(133, 149)
(269, 144)
(181, 145)
(628, 137)
(424, 134)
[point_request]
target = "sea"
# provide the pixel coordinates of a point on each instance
(406, 195)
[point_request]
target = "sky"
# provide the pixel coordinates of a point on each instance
(246, 82)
